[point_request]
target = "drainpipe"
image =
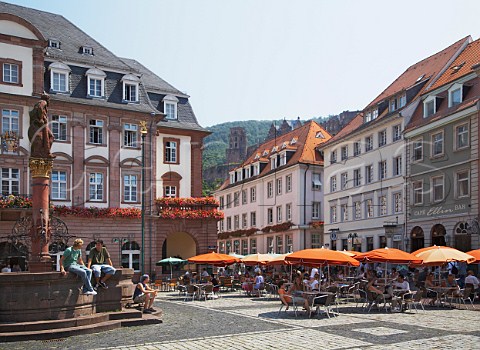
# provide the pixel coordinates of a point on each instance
(305, 206)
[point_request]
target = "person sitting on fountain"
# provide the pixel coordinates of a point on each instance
(145, 294)
(99, 261)
(71, 261)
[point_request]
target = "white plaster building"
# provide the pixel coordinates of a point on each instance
(280, 186)
(365, 163)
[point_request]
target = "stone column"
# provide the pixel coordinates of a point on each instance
(40, 169)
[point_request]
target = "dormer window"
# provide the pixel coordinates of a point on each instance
(232, 178)
(294, 141)
(54, 43)
(274, 149)
(257, 156)
(130, 88)
(319, 135)
(402, 101)
(87, 50)
(455, 95)
(429, 106)
(59, 77)
(374, 114)
(284, 145)
(95, 82)
(393, 105)
(170, 107)
(265, 153)
(283, 158)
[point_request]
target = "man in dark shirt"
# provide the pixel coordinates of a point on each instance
(100, 262)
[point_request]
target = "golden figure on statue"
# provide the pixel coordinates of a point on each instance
(39, 134)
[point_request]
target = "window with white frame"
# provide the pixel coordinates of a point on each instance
(455, 95)
(382, 168)
(357, 178)
(95, 82)
(417, 150)
(397, 132)
(87, 50)
(368, 143)
(393, 104)
(244, 197)
(333, 214)
(344, 153)
(402, 100)
(289, 243)
(344, 180)
(244, 220)
(58, 185)
(10, 181)
(253, 246)
(374, 114)
(288, 211)
(221, 201)
(357, 148)
(279, 186)
(333, 183)
(170, 104)
(253, 219)
(358, 210)
(130, 88)
(253, 194)
(11, 73)
(95, 187)
(10, 120)
(283, 158)
(221, 226)
(270, 189)
(417, 187)
(244, 247)
(236, 199)
(171, 151)
(429, 107)
(316, 182)
(59, 77)
(369, 209)
(462, 184)
(382, 201)
(54, 43)
(316, 241)
(229, 201)
(96, 131)
(131, 256)
(279, 214)
(368, 117)
(333, 157)
(279, 244)
(397, 166)
(382, 138)
(397, 202)
(59, 127)
(130, 188)
(437, 189)
(130, 132)
(270, 216)
(288, 183)
(270, 245)
(437, 144)
(229, 223)
(344, 212)
(316, 214)
(236, 222)
(369, 174)
(462, 136)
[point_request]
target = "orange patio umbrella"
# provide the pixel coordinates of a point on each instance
(349, 253)
(390, 255)
(213, 258)
(321, 256)
(428, 248)
(257, 259)
(442, 255)
(476, 254)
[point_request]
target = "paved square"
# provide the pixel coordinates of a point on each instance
(235, 321)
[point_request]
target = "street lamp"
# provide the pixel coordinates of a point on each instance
(143, 132)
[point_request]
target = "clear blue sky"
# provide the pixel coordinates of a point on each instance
(271, 59)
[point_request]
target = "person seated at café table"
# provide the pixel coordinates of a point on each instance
(472, 281)
(429, 285)
(205, 274)
(294, 295)
(216, 285)
(247, 284)
(393, 274)
(259, 281)
(377, 293)
(451, 284)
(314, 284)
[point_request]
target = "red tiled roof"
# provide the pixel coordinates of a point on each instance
(461, 66)
(428, 68)
(353, 125)
(304, 147)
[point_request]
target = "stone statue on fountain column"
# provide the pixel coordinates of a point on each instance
(39, 134)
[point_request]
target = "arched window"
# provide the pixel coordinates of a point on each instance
(56, 250)
(131, 256)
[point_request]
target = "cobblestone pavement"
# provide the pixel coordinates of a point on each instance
(238, 322)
